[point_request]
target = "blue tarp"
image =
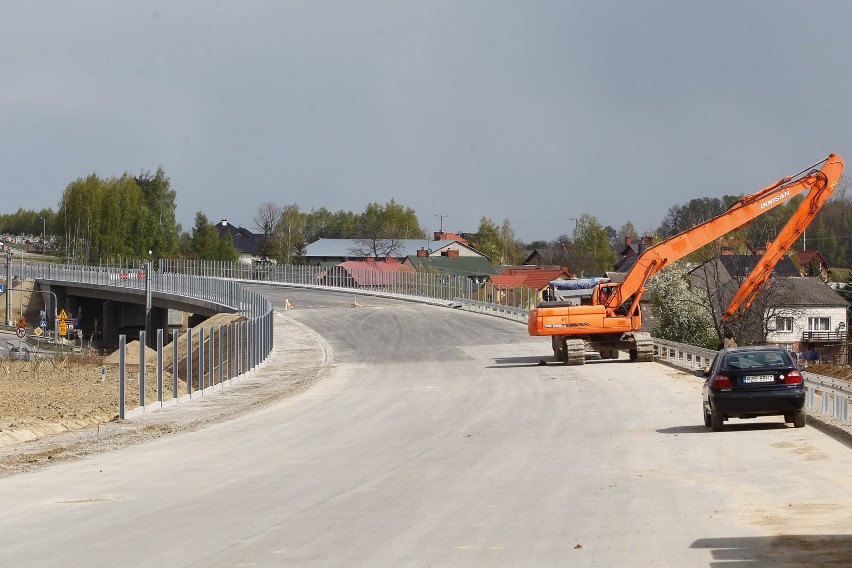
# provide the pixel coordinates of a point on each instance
(577, 283)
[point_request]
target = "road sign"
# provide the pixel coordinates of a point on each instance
(21, 332)
(62, 315)
(63, 327)
(2, 288)
(43, 324)
(42, 314)
(38, 331)
(22, 322)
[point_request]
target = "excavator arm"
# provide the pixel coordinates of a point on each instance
(816, 198)
(820, 181)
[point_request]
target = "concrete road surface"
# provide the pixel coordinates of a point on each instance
(438, 440)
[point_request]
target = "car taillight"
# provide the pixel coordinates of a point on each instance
(722, 382)
(794, 377)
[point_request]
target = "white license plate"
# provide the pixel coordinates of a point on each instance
(759, 379)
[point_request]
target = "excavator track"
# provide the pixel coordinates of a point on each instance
(575, 352)
(644, 351)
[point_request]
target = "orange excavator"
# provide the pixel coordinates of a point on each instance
(611, 320)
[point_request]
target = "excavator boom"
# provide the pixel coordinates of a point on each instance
(738, 215)
(611, 320)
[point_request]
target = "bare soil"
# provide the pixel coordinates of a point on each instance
(59, 410)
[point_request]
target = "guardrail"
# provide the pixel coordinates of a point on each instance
(491, 309)
(203, 279)
(219, 291)
(834, 394)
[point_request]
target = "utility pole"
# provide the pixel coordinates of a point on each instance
(441, 217)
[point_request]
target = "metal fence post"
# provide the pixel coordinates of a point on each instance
(122, 340)
(160, 366)
(174, 363)
(201, 359)
(212, 359)
(142, 340)
(221, 366)
(189, 361)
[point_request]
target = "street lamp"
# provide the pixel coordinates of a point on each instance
(43, 233)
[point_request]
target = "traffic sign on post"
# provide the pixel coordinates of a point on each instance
(63, 327)
(22, 322)
(2, 288)
(21, 332)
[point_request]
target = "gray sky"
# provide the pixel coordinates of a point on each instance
(532, 111)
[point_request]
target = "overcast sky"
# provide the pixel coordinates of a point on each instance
(533, 111)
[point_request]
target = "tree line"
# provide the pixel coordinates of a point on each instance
(133, 217)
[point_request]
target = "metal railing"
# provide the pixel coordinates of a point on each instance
(206, 279)
(228, 351)
(402, 281)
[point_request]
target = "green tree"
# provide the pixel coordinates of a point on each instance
(488, 240)
(289, 235)
(382, 228)
(265, 220)
(590, 252)
(118, 219)
(511, 252)
(679, 314)
(204, 242)
(158, 228)
(323, 224)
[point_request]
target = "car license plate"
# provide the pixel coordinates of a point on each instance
(759, 379)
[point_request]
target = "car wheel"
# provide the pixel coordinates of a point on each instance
(788, 417)
(716, 421)
(708, 422)
(799, 419)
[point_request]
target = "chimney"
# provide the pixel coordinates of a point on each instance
(422, 252)
(628, 241)
(439, 235)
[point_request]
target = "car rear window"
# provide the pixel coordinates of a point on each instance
(757, 360)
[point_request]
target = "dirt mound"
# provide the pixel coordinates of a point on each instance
(48, 397)
(210, 325)
(131, 356)
(843, 372)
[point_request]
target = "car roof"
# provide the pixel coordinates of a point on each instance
(752, 349)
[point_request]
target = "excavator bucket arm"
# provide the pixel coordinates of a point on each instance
(824, 180)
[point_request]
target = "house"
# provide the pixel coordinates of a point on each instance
(733, 268)
(810, 317)
(521, 286)
(330, 252)
(477, 268)
(555, 256)
(366, 274)
(630, 252)
(801, 314)
(244, 240)
(813, 264)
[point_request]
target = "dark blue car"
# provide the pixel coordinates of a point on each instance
(746, 382)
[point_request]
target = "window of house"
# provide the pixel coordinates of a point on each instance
(783, 324)
(818, 324)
